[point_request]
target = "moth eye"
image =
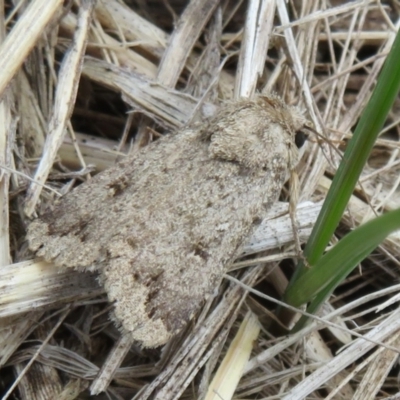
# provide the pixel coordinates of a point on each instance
(300, 138)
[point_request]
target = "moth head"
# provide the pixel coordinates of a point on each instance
(289, 117)
(294, 124)
(256, 131)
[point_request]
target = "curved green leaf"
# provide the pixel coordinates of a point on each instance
(338, 262)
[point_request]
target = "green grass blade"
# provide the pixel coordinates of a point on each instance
(315, 304)
(355, 157)
(338, 262)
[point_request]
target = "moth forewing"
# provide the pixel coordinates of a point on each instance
(163, 226)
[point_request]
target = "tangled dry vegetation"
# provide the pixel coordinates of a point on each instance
(85, 82)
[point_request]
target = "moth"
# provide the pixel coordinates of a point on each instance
(163, 225)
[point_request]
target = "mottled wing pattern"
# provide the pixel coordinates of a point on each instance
(162, 226)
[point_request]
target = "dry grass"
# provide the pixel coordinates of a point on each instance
(82, 87)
